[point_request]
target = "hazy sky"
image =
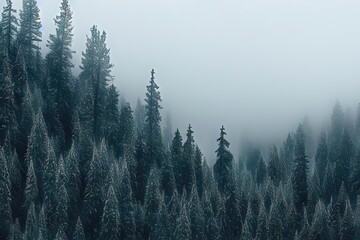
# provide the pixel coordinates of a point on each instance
(256, 66)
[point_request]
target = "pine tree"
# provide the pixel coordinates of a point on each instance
(59, 67)
(223, 168)
(196, 216)
(140, 172)
(31, 189)
(112, 127)
(199, 176)
(342, 162)
(93, 204)
(7, 114)
(275, 225)
(127, 222)
(5, 197)
(274, 168)
(31, 229)
(37, 150)
(337, 126)
(110, 217)
(79, 231)
(321, 157)
(183, 230)
(167, 179)
(139, 117)
(319, 228)
(299, 178)
(176, 159)
(304, 234)
(188, 171)
(314, 194)
(211, 228)
(30, 35)
(62, 198)
(347, 224)
(261, 172)
(126, 131)
(152, 124)
(96, 72)
(162, 230)
(152, 203)
(61, 235)
(261, 231)
(8, 26)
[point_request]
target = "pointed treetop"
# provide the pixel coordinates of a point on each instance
(152, 74)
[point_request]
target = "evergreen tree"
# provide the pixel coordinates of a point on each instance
(299, 178)
(62, 198)
(261, 231)
(342, 162)
(275, 225)
(347, 224)
(188, 171)
(8, 26)
(167, 131)
(355, 175)
(96, 72)
(127, 222)
(152, 123)
(59, 67)
(196, 216)
(93, 204)
(167, 178)
(31, 189)
(110, 218)
(321, 157)
(223, 168)
(16, 233)
(337, 126)
(199, 176)
(176, 159)
(61, 235)
(139, 117)
(112, 127)
(274, 168)
(30, 35)
(126, 129)
(5, 197)
(152, 203)
(304, 234)
(211, 228)
(79, 231)
(183, 230)
(261, 172)
(31, 229)
(7, 114)
(140, 172)
(37, 150)
(319, 228)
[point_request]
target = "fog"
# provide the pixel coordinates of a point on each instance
(255, 66)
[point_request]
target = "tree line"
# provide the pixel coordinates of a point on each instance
(78, 163)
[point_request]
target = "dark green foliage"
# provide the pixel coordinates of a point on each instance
(199, 176)
(152, 204)
(321, 157)
(110, 218)
(188, 171)
(319, 228)
(275, 225)
(261, 172)
(183, 226)
(79, 231)
(112, 127)
(167, 179)
(30, 35)
(223, 168)
(8, 26)
(196, 216)
(5, 197)
(96, 72)
(8, 123)
(59, 77)
(176, 159)
(152, 124)
(274, 168)
(31, 230)
(347, 224)
(299, 178)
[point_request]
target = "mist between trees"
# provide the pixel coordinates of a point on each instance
(78, 163)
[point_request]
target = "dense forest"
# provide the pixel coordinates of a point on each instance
(78, 163)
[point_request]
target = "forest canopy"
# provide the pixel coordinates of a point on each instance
(76, 162)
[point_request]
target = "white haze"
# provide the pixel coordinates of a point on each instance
(256, 66)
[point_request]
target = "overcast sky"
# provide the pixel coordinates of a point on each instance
(256, 66)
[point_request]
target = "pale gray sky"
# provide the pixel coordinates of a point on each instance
(256, 66)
